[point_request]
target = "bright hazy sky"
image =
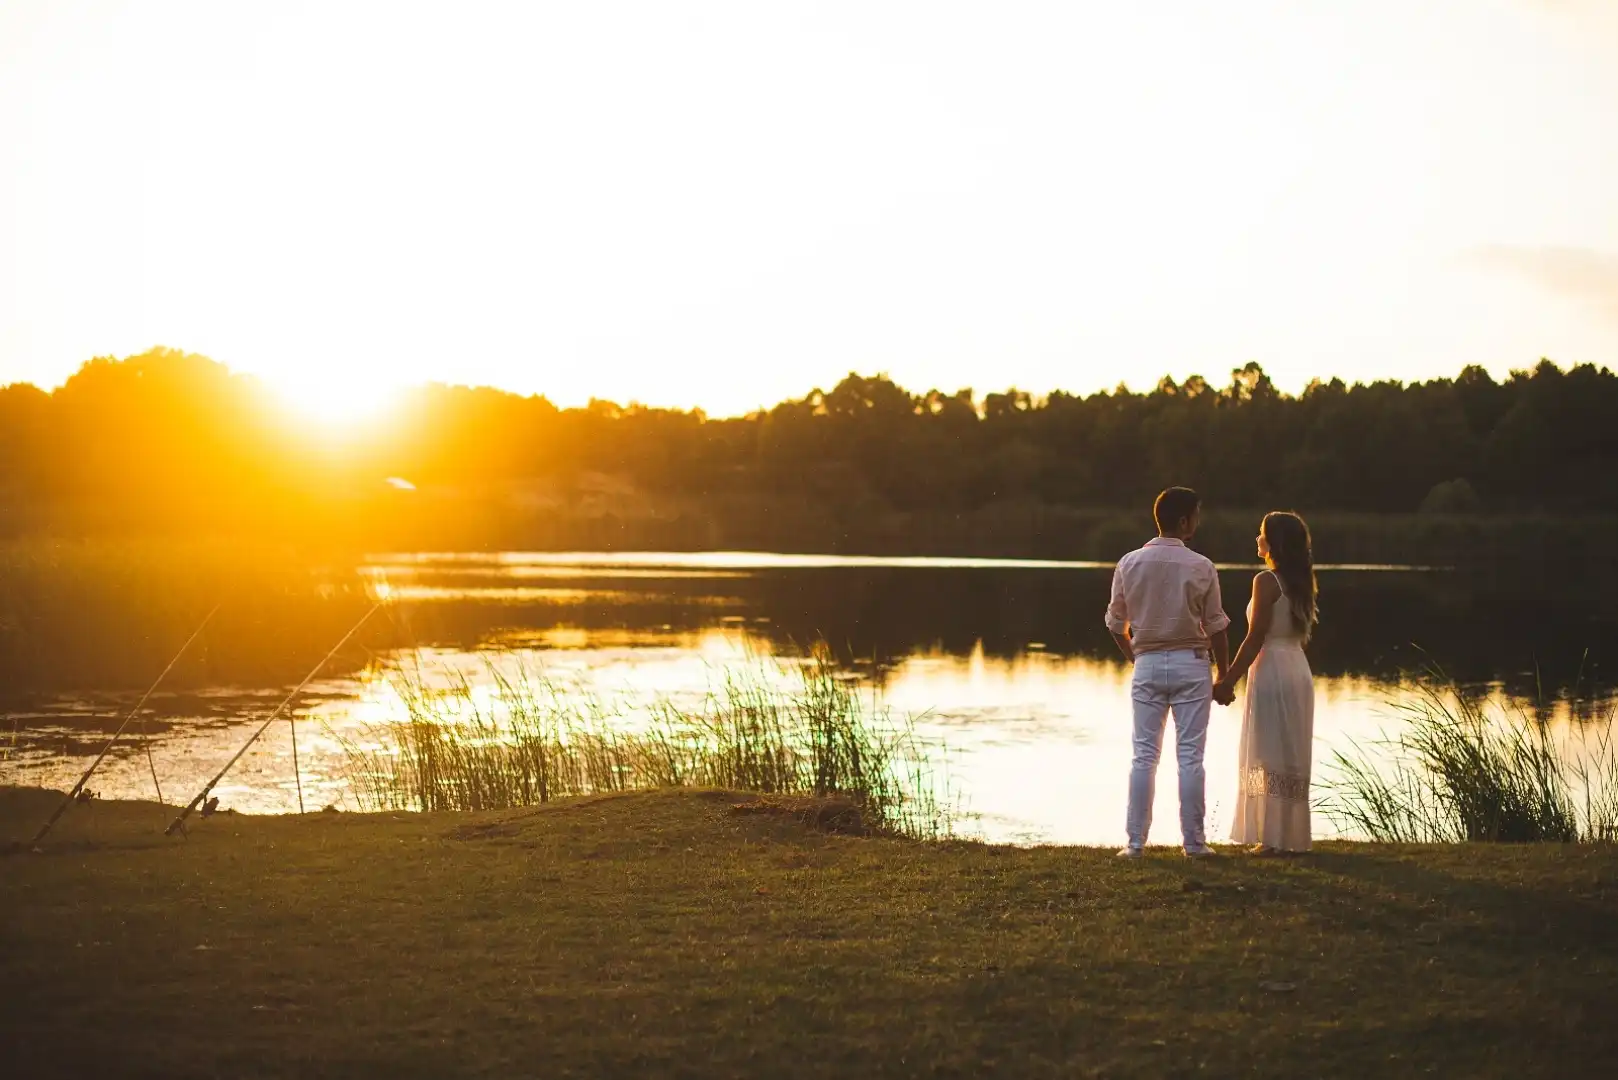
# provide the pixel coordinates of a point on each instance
(728, 204)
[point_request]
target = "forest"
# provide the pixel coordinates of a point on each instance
(170, 440)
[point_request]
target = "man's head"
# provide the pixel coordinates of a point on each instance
(1178, 511)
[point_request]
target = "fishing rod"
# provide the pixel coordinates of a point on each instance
(179, 822)
(297, 770)
(105, 750)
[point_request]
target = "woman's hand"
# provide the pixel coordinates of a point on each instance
(1224, 692)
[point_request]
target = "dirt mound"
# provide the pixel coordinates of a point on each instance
(832, 813)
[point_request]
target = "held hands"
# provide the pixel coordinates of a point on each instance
(1224, 691)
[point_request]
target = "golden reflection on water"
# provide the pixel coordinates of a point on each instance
(670, 563)
(1041, 743)
(524, 572)
(504, 593)
(1038, 745)
(557, 595)
(725, 560)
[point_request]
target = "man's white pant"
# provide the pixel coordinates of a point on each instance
(1178, 681)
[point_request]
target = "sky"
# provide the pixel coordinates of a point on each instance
(726, 205)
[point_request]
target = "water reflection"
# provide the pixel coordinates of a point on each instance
(1038, 744)
(1007, 665)
(1378, 622)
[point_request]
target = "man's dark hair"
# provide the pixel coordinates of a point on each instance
(1173, 506)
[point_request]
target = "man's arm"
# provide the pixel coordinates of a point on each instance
(1118, 615)
(1220, 643)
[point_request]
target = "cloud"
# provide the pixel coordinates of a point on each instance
(1582, 274)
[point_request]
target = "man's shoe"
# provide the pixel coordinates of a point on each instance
(1130, 853)
(1201, 851)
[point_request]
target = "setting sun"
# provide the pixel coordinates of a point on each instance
(333, 397)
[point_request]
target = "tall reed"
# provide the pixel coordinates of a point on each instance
(526, 739)
(1459, 770)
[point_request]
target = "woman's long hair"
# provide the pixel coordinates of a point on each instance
(1294, 563)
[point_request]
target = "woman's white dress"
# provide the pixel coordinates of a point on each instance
(1278, 729)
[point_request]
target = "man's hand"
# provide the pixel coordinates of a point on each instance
(1224, 692)
(1125, 646)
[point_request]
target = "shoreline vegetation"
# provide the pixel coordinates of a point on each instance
(109, 613)
(808, 732)
(689, 932)
(1457, 770)
(1454, 770)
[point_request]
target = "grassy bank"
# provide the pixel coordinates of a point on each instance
(673, 934)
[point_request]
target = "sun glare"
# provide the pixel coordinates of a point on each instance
(333, 399)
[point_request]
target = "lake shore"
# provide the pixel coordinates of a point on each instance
(674, 934)
(106, 616)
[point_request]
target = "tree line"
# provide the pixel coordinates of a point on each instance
(171, 437)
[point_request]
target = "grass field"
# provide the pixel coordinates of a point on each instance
(672, 934)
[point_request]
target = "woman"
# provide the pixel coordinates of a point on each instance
(1278, 720)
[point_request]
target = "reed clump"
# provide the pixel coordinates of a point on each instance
(1462, 770)
(522, 738)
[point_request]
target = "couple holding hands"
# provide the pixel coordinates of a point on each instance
(1167, 616)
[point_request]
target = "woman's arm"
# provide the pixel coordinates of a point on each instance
(1265, 591)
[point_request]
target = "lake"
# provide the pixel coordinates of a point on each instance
(1005, 667)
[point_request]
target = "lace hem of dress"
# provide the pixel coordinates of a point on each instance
(1264, 783)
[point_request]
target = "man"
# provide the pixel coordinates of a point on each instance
(1167, 618)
